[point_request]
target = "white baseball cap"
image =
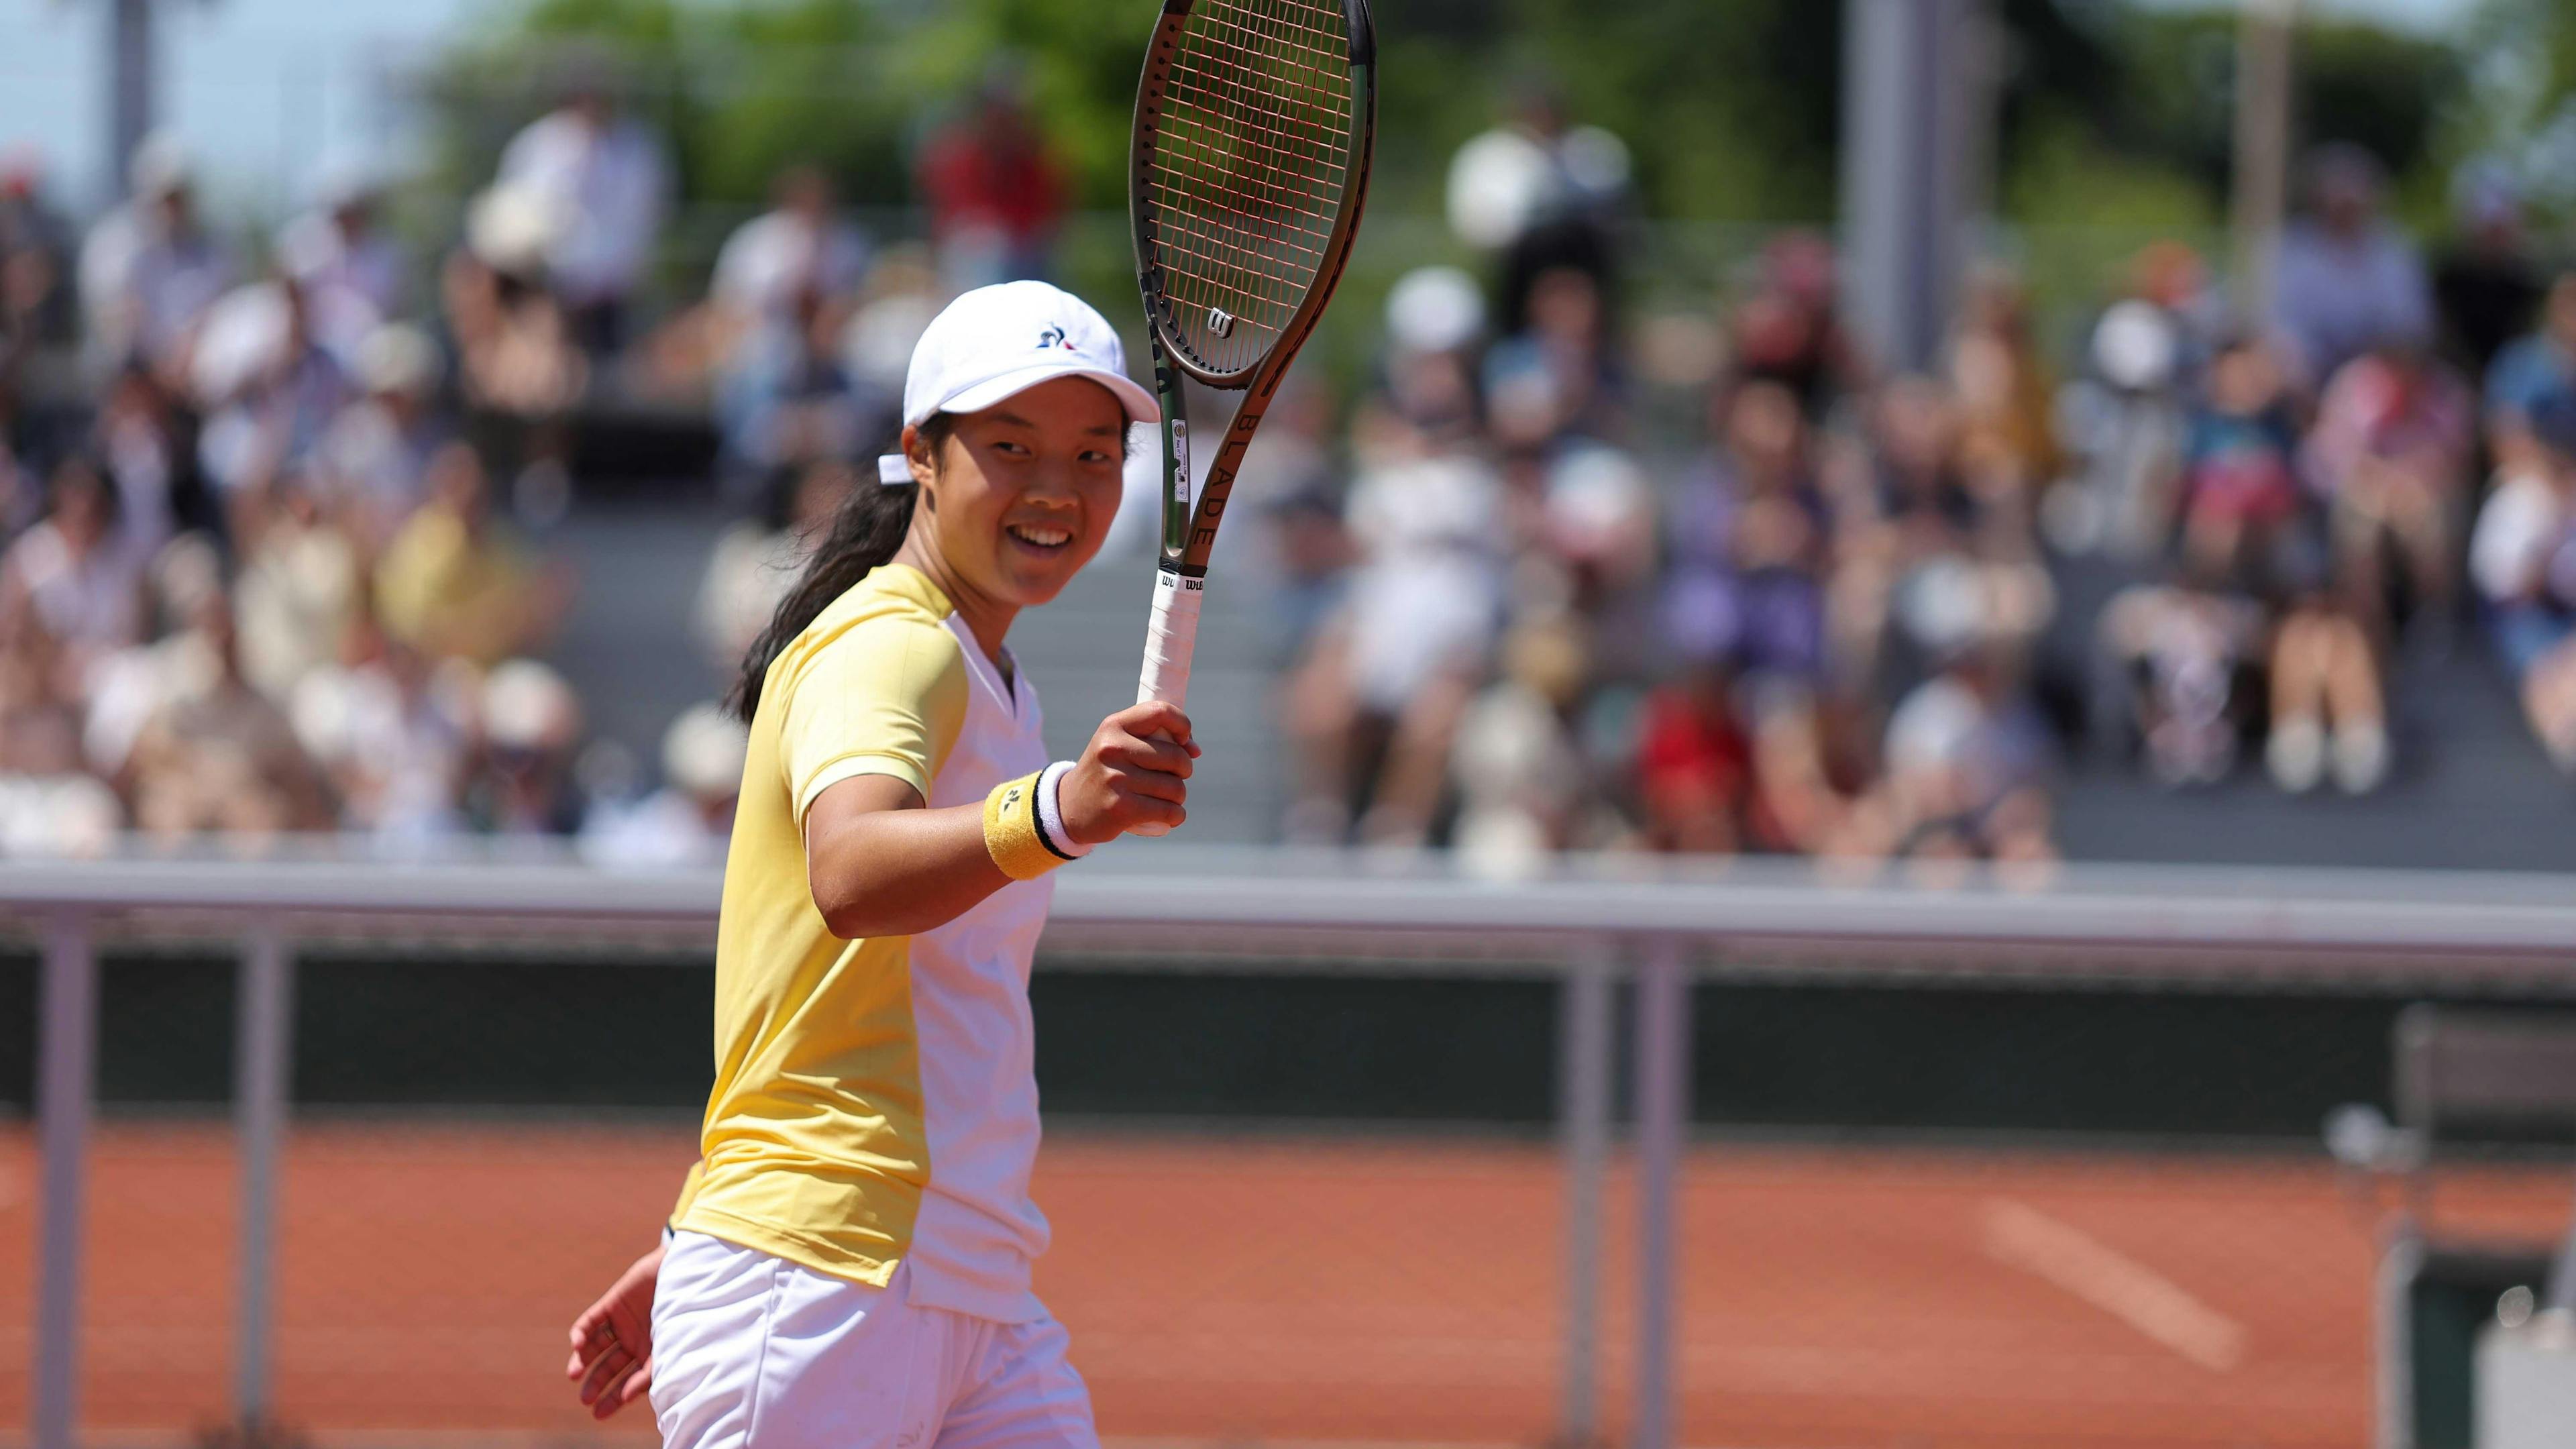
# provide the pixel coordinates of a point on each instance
(999, 341)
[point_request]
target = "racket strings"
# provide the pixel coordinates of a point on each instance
(1244, 195)
(1251, 153)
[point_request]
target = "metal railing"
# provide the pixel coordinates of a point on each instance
(1589, 923)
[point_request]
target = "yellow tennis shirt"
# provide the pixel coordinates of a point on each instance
(875, 1101)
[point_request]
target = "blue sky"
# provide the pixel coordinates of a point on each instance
(267, 91)
(270, 91)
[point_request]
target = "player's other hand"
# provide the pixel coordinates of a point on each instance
(612, 1341)
(1134, 773)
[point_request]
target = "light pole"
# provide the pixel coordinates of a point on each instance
(132, 87)
(1917, 81)
(2262, 179)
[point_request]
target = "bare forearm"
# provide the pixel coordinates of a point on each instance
(882, 864)
(900, 872)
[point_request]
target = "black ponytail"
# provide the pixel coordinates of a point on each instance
(865, 535)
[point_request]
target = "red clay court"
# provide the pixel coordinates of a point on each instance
(1233, 1291)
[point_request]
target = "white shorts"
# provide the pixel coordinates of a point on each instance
(751, 1351)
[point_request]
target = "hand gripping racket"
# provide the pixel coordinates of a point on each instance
(1255, 121)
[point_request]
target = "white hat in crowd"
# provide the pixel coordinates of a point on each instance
(1434, 309)
(160, 165)
(512, 227)
(702, 752)
(528, 706)
(999, 341)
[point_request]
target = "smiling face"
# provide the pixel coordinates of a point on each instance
(1021, 494)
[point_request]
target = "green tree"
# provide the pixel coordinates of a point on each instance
(1730, 106)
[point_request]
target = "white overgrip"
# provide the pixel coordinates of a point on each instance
(1171, 634)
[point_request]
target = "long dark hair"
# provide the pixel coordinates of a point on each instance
(865, 534)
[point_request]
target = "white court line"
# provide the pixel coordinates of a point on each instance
(2139, 1296)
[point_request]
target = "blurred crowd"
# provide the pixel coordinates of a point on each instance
(281, 564)
(273, 510)
(1880, 611)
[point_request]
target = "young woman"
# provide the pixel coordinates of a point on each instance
(848, 1265)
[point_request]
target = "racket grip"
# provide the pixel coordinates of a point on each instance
(1171, 635)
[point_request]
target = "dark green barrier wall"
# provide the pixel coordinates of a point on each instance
(1793, 1056)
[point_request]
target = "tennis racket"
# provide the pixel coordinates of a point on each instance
(1255, 121)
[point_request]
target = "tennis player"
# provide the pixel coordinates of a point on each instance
(848, 1264)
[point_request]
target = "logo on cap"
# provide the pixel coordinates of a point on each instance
(1054, 337)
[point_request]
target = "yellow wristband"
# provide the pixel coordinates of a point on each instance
(1011, 831)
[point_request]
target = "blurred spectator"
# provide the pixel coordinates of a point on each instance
(690, 819)
(1291, 487)
(1533, 170)
(47, 805)
(1523, 791)
(2180, 657)
(137, 436)
(2122, 424)
(520, 783)
(1748, 537)
(372, 463)
(1545, 196)
(455, 581)
(601, 175)
(2007, 428)
(218, 756)
(351, 270)
(757, 560)
(2485, 285)
(518, 372)
(2391, 450)
(1900, 503)
(1596, 558)
(2522, 559)
(78, 571)
(2127, 428)
(1378, 699)
(2530, 373)
(1967, 758)
(791, 402)
(1785, 328)
(126, 688)
(2172, 278)
(300, 589)
(780, 264)
(2346, 280)
(35, 295)
(2245, 521)
(268, 388)
(39, 699)
(21, 488)
(1555, 376)
(392, 730)
(1694, 766)
(149, 270)
(995, 196)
